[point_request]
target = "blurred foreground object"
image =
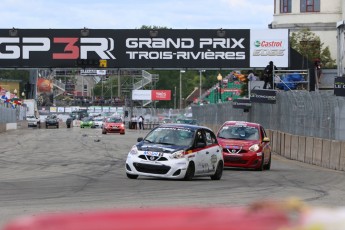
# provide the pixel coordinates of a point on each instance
(289, 214)
(156, 219)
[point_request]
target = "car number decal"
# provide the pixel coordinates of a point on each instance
(154, 154)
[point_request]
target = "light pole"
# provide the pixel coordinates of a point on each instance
(220, 78)
(181, 71)
(200, 75)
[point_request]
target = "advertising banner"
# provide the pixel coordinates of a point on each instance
(161, 95)
(163, 48)
(241, 103)
(263, 96)
(339, 86)
(269, 45)
(141, 95)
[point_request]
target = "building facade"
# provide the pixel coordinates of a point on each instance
(320, 16)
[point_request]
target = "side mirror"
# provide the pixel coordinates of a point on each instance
(140, 139)
(266, 139)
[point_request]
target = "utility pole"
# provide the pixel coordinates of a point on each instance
(181, 71)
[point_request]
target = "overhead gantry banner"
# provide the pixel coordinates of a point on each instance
(142, 49)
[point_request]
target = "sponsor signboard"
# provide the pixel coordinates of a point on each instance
(241, 103)
(339, 86)
(271, 45)
(175, 48)
(161, 95)
(263, 96)
(154, 95)
(92, 72)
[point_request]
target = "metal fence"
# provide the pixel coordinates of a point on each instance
(11, 115)
(317, 114)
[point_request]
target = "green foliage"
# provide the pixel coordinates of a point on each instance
(309, 45)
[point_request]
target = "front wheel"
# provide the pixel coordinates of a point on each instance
(261, 167)
(104, 132)
(268, 166)
(190, 172)
(131, 176)
(219, 171)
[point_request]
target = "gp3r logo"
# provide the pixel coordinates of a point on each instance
(13, 48)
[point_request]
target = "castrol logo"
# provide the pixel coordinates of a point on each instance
(269, 44)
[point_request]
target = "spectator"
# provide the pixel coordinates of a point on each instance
(268, 75)
(251, 76)
(134, 122)
(141, 122)
(318, 70)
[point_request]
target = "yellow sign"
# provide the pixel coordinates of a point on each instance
(103, 63)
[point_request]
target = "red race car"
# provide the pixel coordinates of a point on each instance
(245, 145)
(113, 125)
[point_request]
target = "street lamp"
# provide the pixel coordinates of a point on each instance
(181, 71)
(200, 71)
(219, 78)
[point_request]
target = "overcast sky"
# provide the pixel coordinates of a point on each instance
(132, 14)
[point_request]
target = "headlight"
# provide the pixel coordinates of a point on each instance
(177, 155)
(134, 150)
(254, 148)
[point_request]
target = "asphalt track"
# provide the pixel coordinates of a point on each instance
(59, 170)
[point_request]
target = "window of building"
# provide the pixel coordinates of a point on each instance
(285, 6)
(310, 5)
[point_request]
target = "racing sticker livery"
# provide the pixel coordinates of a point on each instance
(176, 151)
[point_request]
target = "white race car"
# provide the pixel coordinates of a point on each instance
(176, 151)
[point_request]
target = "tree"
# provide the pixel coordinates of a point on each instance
(309, 45)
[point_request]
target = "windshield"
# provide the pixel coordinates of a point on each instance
(239, 132)
(114, 120)
(187, 121)
(30, 116)
(87, 119)
(171, 136)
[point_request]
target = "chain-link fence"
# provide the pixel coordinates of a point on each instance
(11, 115)
(7, 115)
(317, 114)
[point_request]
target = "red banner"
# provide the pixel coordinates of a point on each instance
(161, 95)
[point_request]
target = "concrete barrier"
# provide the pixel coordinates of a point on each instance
(2, 127)
(294, 147)
(309, 149)
(342, 157)
(274, 142)
(301, 148)
(287, 146)
(325, 155)
(334, 162)
(11, 126)
(282, 144)
(317, 151)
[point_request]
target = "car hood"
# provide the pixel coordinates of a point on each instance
(143, 146)
(245, 144)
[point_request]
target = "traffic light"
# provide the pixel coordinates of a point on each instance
(88, 63)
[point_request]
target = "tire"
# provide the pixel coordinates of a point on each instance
(131, 176)
(46, 126)
(190, 172)
(57, 126)
(68, 126)
(104, 132)
(219, 171)
(261, 167)
(122, 133)
(268, 166)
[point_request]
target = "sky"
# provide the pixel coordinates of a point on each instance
(132, 14)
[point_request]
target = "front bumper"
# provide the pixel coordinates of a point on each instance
(247, 160)
(171, 168)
